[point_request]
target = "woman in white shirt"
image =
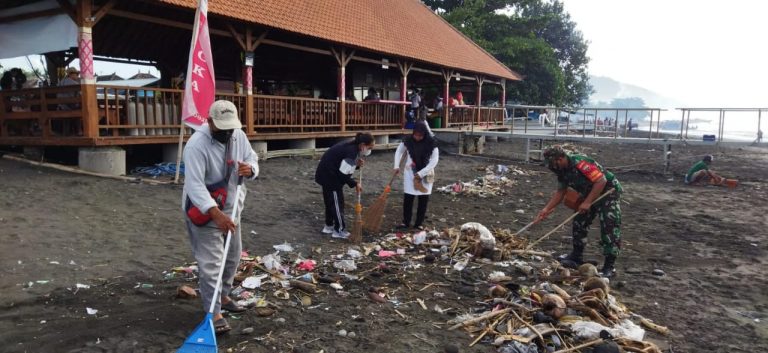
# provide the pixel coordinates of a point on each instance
(418, 177)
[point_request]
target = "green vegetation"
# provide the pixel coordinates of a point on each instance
(536, 38)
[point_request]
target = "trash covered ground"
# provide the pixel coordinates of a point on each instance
(95, 265)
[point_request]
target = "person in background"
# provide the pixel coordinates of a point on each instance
(700, 174)
(459, 98)
(215, 157)
(590, 180)
(333, 172)
(421, 159)
(372, 95)
(439, 104)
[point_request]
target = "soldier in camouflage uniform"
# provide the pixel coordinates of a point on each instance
(590, 180)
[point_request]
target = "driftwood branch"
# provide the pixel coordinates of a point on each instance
(480, 318)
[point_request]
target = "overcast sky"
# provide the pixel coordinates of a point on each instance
(701, 52)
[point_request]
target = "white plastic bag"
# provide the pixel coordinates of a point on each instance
(487, 240)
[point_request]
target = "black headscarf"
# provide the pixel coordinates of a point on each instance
(420, 151)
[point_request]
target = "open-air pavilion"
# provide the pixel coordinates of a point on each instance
(297, 70)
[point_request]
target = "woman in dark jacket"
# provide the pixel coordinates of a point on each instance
(334, 171)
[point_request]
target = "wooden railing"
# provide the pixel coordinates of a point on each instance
(466, 115)
(138, 111)
(274, 114)
(41, 112)
(149, 115)
(374, 115)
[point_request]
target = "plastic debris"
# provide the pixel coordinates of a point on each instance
(285, 247)
(345, 265)
(91, 311)
(306, 265)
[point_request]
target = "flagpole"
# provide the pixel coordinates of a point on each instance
(182, 125)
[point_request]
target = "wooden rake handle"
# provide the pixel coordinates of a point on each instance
(567, 220)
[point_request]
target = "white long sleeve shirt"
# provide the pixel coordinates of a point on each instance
(408, 172)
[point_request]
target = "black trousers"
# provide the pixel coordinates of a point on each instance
(421, 210)
(334, 207)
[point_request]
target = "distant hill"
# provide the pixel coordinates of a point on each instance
(606, 89)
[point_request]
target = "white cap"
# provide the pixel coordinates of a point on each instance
(224, 115)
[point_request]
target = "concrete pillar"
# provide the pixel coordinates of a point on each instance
(170, 152)
(104, 160)
(302, 144)
(260, 147)
(381, 139)
(471, 144)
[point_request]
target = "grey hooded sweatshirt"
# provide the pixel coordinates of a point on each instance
(204, 165)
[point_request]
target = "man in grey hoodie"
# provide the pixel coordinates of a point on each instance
(215, 156)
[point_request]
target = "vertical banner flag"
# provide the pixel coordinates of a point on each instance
(200, 82)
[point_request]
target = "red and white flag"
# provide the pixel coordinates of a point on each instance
(200, 81)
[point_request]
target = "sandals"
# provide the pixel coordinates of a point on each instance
(402, 226)
(419, 228)
(232, 307)
(221, 326)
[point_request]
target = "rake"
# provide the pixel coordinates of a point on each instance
(357, 231)
(203, 338)
(375, 213)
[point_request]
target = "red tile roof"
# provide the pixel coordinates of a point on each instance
(403, 28)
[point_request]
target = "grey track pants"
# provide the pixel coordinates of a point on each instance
(208, 248)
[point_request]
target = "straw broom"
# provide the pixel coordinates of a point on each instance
(375, 213)
(357, 231)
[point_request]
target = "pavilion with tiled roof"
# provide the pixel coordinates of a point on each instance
(296, 69)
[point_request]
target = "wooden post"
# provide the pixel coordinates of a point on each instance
(250, 46)
(503, 102)
(480, 80)
(90, 113)
(447, 74)
(342, 58)
(405, 69)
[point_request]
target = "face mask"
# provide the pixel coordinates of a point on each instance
(366, 152)
(222, 136)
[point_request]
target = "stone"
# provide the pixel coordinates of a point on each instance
(658, 272)
(247, 331)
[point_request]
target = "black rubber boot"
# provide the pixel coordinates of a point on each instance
(574, 259)
(608, 270)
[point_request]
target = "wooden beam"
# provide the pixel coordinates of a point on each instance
(103, 11)
(31, 15)
(339, 58)
(255, 44)
(297, 47)
(237, 36)
(349, 57)
(69, 10)
(164, 22)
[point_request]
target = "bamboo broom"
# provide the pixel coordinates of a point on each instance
(357, 231)
(375, 213)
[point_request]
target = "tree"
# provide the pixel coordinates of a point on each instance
(536, 38)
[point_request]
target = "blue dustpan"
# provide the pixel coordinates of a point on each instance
(202, 339)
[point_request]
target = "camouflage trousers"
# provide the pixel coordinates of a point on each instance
(609, 212)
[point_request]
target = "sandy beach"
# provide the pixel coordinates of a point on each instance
(121, 239)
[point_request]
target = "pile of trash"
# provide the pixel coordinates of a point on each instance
(497, 181)
(530, 303)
